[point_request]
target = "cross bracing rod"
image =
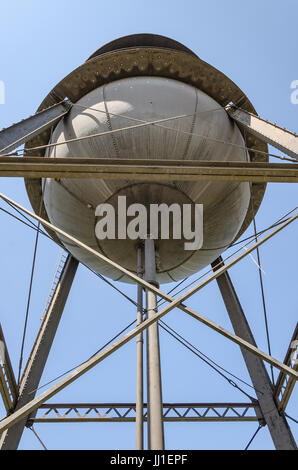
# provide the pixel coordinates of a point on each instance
(285, 385)
(126, 412)
(8, 386)
(178, 302)
(148, 170)
(18, 134)
(272, 134)
(100, 356)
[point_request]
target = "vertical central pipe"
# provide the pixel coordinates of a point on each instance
(154, 392)
(139, 390)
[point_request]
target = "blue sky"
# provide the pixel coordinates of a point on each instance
(255, 44)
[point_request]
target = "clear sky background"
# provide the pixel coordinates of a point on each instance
(255, 44)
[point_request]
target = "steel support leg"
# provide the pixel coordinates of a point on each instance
(154, 399)
(277, 424)
(10, 439)
(140, 361)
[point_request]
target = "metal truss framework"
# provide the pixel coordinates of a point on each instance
(285, 385)
(173, 302)
(126, 412)
(191, 171)
(34, 404)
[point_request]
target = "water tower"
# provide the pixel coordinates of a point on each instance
(146, 122)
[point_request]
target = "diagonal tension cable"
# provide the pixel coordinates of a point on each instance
(167, 326)
(75, 367)
(290, 417)
(32, 226)
(200, 355)
(102, 277)
(37, 436)
(279, 221)
(35, 227)
(200, 352)
(262, 289)
(254, 435)
(29, 294)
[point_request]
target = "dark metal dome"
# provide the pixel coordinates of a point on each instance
(141, 40)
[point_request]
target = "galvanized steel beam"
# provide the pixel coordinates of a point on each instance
(10, 439)
(277, 424)
(148, 170)
(272, 134)
(87, 365)
(20, 133)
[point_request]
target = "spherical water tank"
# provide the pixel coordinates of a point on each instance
(120, 89)
(71, 203)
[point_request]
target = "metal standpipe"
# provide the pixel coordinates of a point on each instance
(154, 391)
(140, 360)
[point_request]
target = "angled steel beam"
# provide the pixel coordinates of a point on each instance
(272, 134)
(179, 301)
(19, 133)
(8, 386)
(285, 385)
(277, 424)
(32, 373)
(126, 412)
(147, 170)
